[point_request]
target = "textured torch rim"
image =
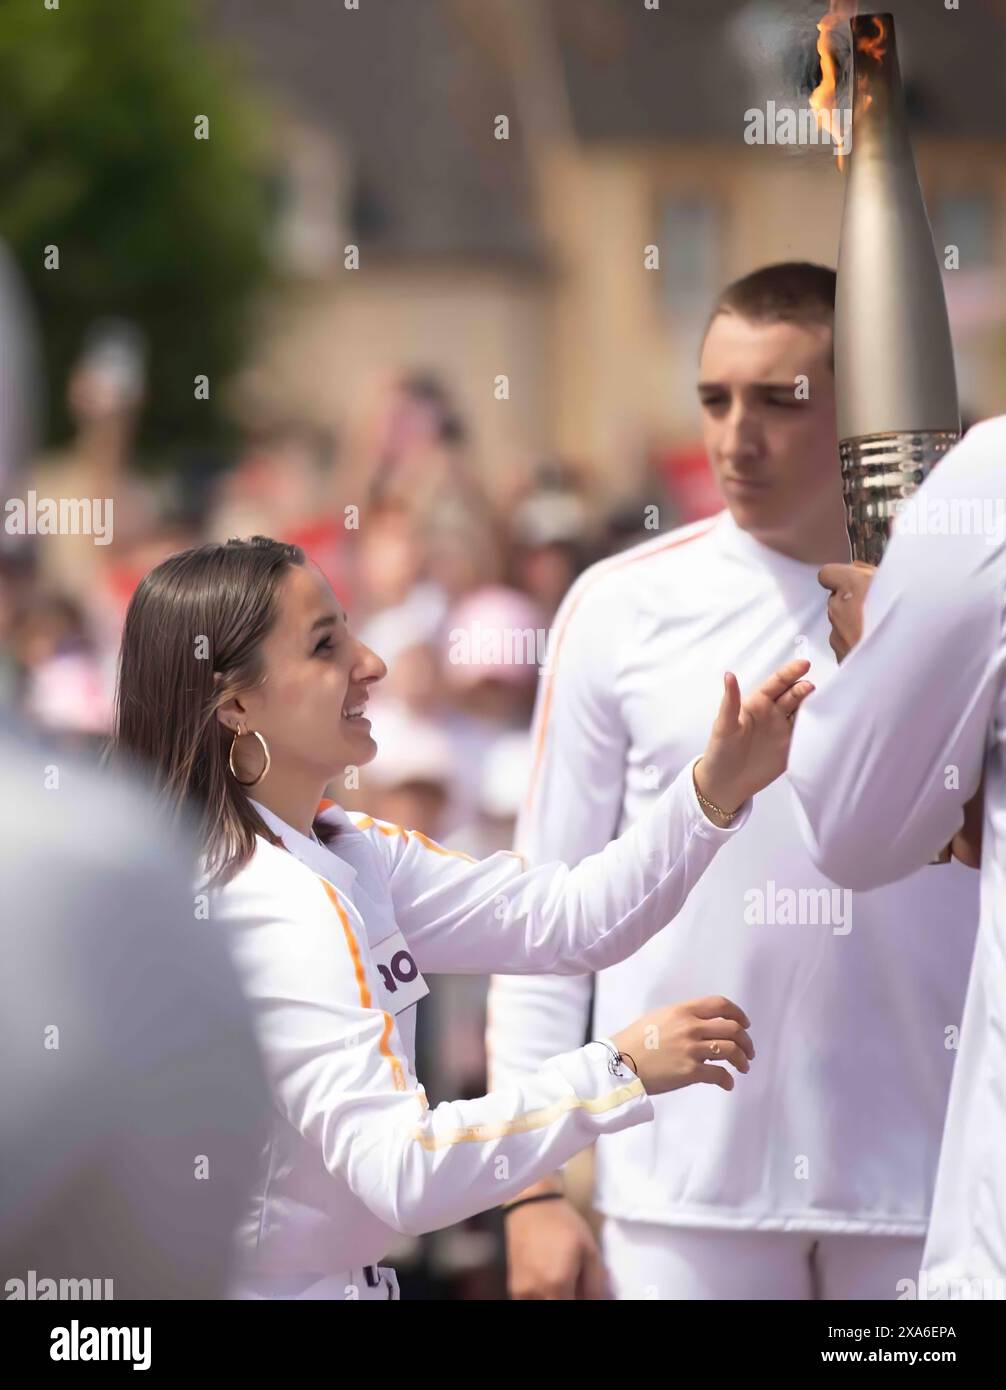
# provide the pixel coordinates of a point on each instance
(880, 472)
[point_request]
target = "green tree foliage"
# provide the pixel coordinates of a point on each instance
(98, 156)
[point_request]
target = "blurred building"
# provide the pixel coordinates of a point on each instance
(525, 256)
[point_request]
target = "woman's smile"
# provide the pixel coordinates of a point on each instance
(353, 713)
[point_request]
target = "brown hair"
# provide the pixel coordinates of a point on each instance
(788, 292)
(199, 612)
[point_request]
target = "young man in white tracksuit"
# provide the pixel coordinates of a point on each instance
(817, 1180)
(884, 770)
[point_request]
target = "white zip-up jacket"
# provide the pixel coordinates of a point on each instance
(837, 1127)
(882, 764)
(331, 942)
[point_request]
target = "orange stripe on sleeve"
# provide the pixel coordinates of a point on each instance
(397, 1071)
(439, 849)
(553, 657)
(368, 823)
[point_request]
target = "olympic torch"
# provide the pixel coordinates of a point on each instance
(895, 385)
(896, 390)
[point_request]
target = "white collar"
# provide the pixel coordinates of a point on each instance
(742, 543)
(320, 858)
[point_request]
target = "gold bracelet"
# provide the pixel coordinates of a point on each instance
(709, 805)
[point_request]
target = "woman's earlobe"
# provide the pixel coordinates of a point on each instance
(230, 715)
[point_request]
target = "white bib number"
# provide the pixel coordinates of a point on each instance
(401, 980)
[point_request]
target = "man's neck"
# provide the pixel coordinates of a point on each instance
(815, 545)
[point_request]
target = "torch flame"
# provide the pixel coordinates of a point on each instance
(822, 98)
(873, 44)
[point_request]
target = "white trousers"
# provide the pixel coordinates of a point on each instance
(679, 1262)
(373, 1282)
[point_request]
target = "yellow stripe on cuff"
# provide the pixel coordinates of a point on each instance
(534, 1119)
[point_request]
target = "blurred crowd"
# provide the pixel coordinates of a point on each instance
(453, 578)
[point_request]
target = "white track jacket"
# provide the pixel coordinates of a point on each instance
(882, 766)
(331, 944)
(837, 1126)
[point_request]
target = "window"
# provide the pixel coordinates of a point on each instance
(689, 259)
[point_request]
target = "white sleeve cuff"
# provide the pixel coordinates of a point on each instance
(608, 1099)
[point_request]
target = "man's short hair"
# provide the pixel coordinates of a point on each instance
(789, 292)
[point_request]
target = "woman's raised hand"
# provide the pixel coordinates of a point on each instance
(749, 744)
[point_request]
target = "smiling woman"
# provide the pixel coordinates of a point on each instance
(309, 714)
(192, 638)
(238, 671)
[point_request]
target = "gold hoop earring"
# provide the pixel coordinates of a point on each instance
(230, 758)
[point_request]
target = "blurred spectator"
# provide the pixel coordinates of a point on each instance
(391, 564)
(552, 536)
(284, 484)
(408, 783)
(400, 612)
(465, 548)
(415, 455)
(492, 645)
(506, 770)
(632, 522)
(272, 486)
(496, 640)
(64, 686)
(416, 678)
(105, 394)
(414, 440)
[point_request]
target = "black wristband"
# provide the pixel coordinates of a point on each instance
(617, 1059)
(524, 1201)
